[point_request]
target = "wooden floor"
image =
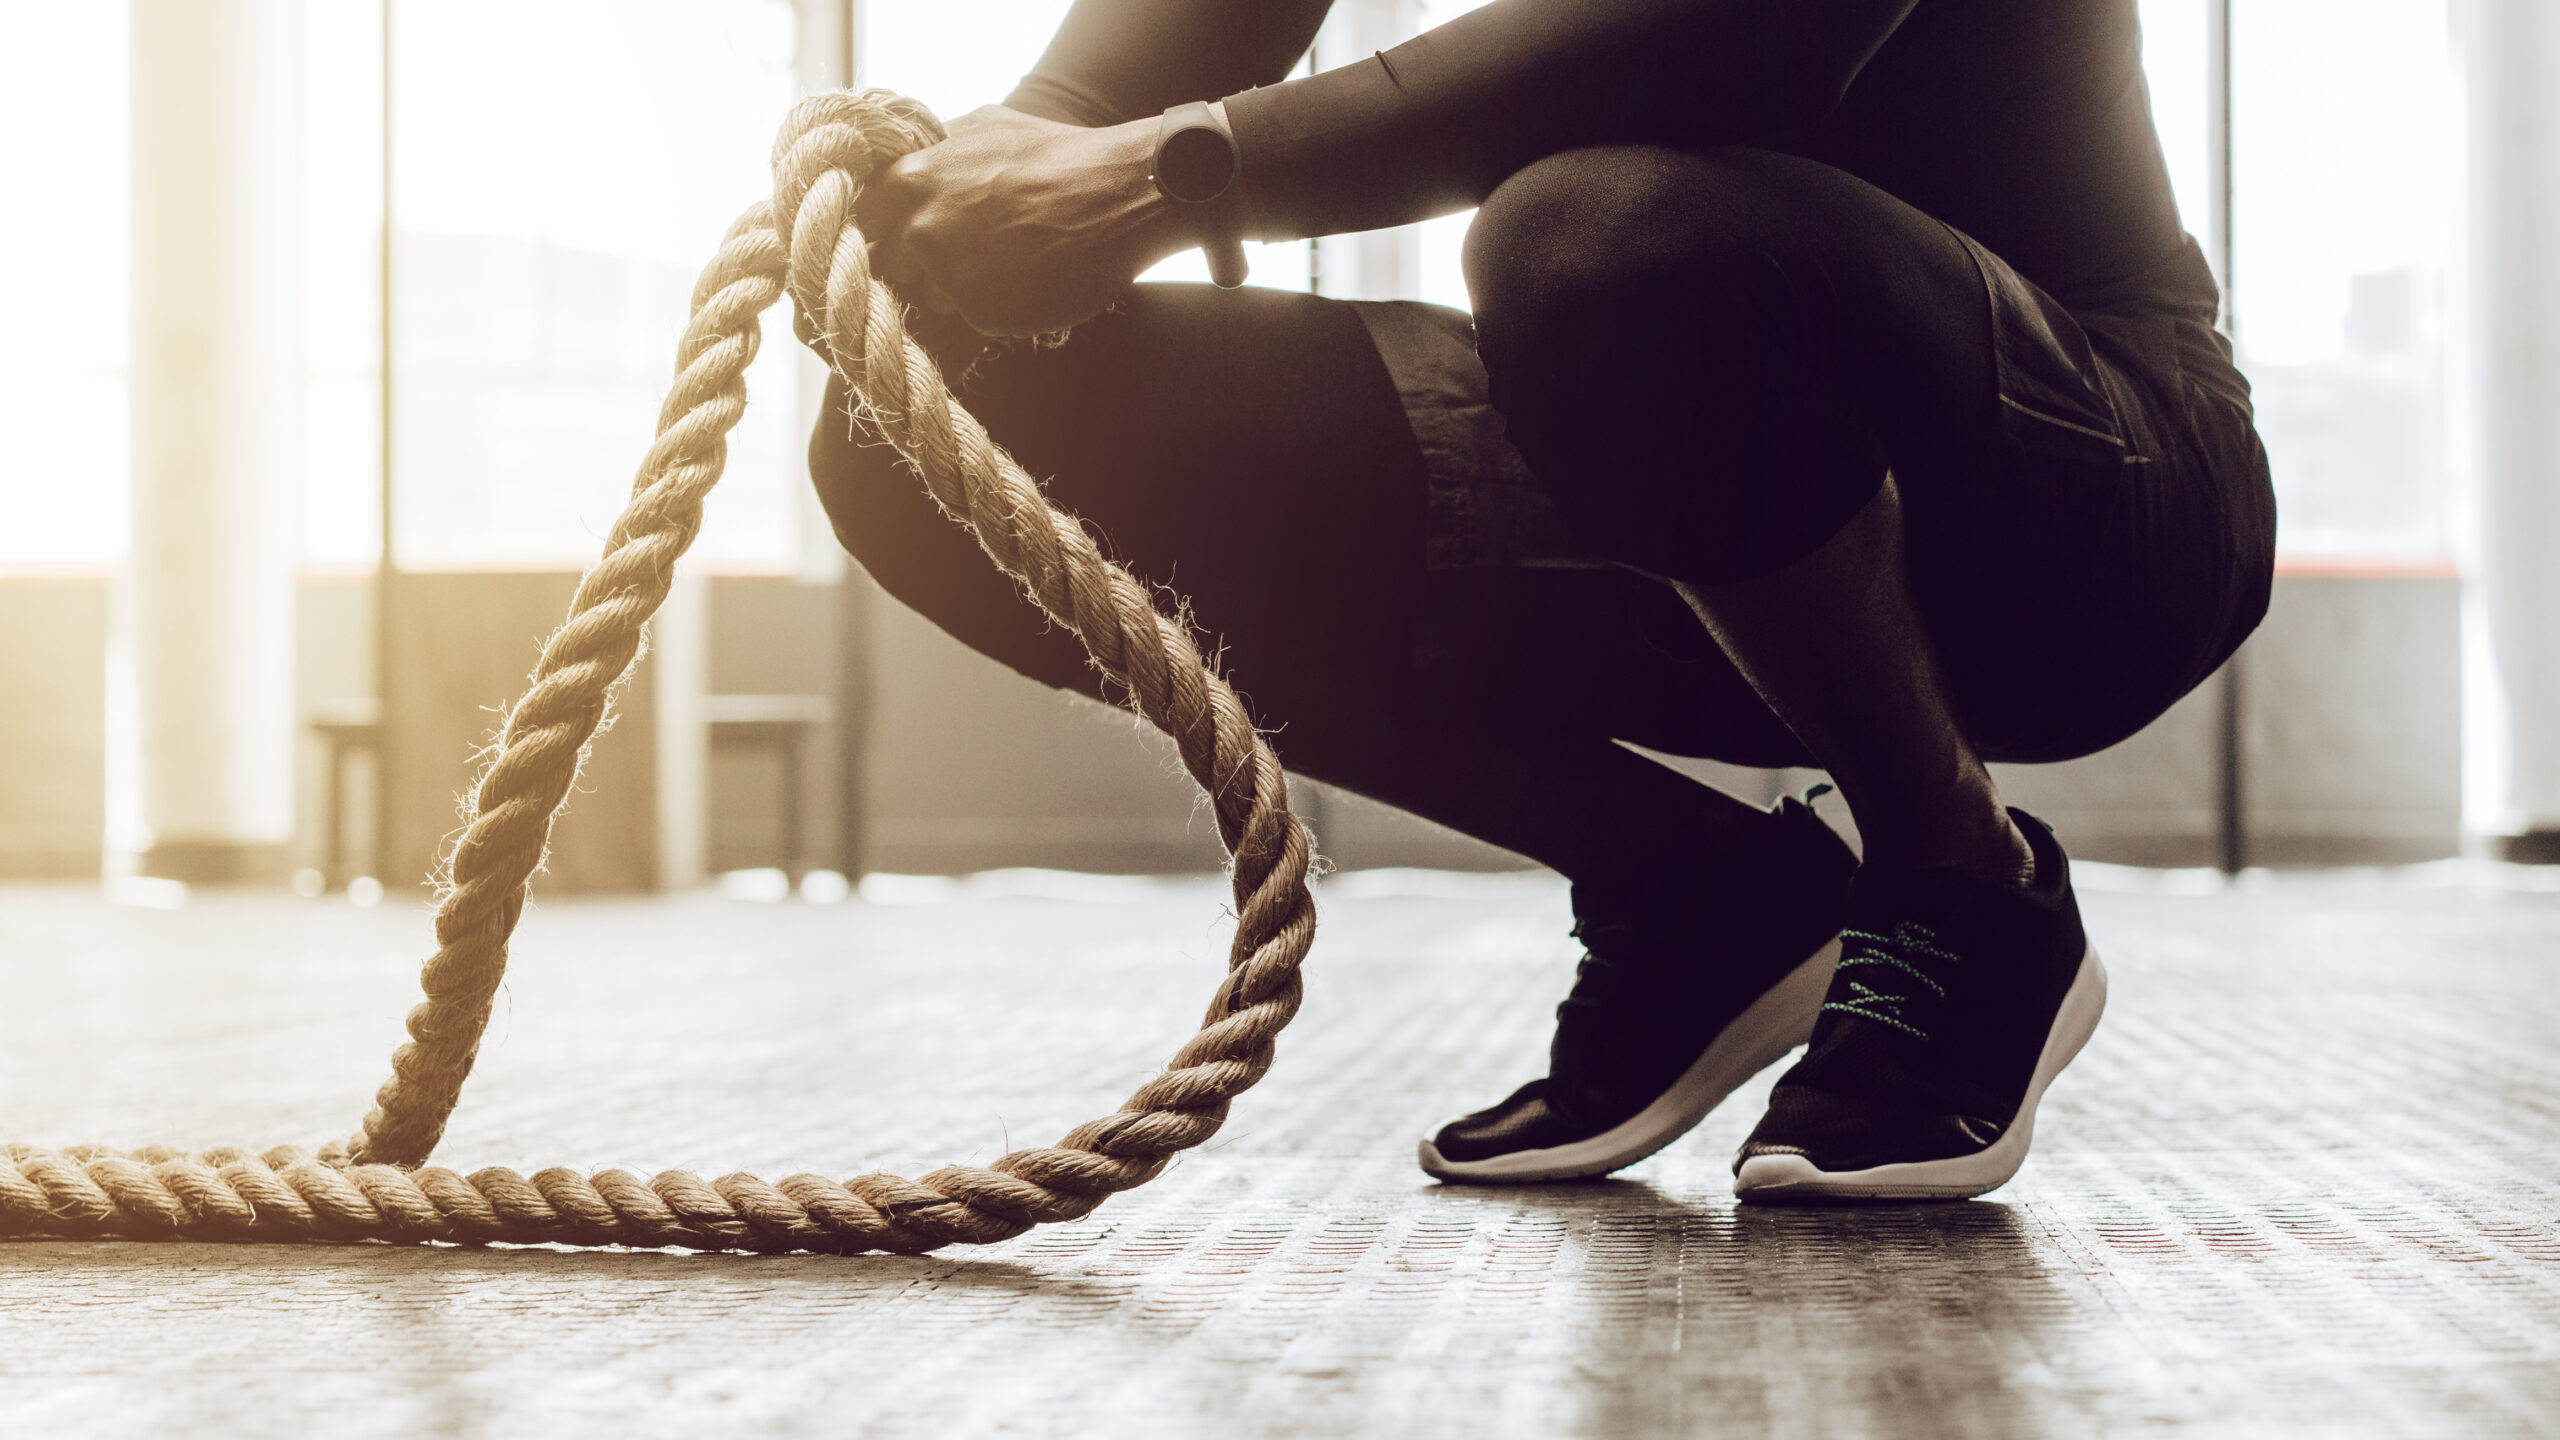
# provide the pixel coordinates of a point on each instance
(2306, 1181)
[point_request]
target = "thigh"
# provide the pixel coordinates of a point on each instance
(1249, 451)
(1244, 450)
(1688, 326)
(2089, 528)
(1712, 358)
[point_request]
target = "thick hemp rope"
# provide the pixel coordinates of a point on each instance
(374, 1187)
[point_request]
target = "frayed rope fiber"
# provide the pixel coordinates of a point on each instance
(376, 1186)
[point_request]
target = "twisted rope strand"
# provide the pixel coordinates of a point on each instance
(376, 1186)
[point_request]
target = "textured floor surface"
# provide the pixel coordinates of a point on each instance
(2305, 1181)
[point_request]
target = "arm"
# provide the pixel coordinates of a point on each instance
(1023, 224)
(1434, 124)
(1114, 61)
(1036, 214)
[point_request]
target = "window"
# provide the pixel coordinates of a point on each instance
(2343, 133)
(561, 172)
(563, 167)
(342, 285)
(63, 482)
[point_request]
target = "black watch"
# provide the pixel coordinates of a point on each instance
(1199, 169)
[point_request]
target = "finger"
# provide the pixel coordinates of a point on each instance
(905, 273)
(895, 263)
(888, 200)
(927, 295)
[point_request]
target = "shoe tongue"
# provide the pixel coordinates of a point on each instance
(1965, 913)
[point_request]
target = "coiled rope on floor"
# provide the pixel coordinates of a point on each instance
(376, 1187)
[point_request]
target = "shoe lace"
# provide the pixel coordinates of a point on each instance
(1898, 963)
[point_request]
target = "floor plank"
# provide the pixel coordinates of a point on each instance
(2305, 1181)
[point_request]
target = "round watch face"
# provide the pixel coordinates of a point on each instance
(1196, 165)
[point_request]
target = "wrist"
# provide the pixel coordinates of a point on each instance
(1199, 172)
(1157, 225)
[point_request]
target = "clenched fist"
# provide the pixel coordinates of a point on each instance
(1020, 225)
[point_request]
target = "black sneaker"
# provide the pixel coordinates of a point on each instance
(1954, 1005)
(1679, 999)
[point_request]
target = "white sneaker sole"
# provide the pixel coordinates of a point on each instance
(1779, 1021)
(1779, 1179)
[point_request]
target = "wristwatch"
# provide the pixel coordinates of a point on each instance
(1200, 171)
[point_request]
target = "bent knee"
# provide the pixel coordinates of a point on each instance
(1582, 227)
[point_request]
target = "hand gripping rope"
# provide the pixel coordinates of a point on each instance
(373, 1187)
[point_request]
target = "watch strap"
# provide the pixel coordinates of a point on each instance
(1219, 214)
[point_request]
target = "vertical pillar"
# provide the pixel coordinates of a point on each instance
(2231, 798)
(826, 34)
(830, 58)
(2509, 370)
(217, 393)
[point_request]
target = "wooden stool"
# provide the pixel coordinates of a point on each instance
(782, 725)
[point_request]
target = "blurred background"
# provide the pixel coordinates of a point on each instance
(338, 326)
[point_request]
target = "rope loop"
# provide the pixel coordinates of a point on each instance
(803, 242)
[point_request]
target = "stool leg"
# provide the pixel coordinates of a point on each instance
(791, 748)
(333, 799)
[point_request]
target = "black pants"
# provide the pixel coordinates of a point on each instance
(1710, 362)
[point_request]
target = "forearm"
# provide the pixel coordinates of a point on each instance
(1119, 60)
(1031, 218)
(1434, 124)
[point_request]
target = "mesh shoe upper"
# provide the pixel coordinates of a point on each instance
(1928, 1039)
(1661, 975)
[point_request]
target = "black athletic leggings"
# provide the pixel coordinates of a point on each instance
(1710, 361)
